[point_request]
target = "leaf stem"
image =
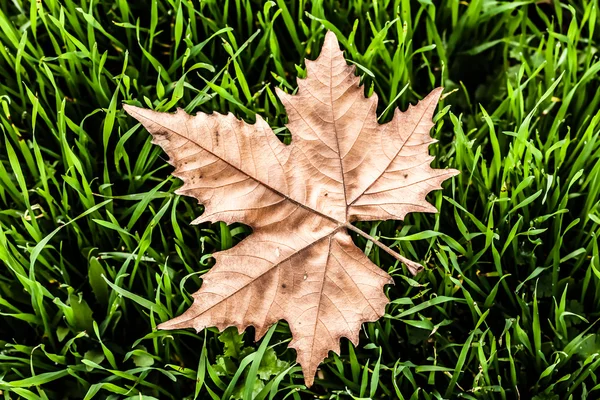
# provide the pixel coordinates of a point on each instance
(413, 267)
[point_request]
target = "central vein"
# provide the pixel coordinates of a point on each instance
(337, 141)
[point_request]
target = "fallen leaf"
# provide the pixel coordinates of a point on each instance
(300, 263)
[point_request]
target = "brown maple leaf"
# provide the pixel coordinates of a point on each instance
(300, 263)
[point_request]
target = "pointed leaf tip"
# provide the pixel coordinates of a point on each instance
(331, 39)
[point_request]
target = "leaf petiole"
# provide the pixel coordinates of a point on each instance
(413, 267)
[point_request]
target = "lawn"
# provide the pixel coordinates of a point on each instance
(96, 249)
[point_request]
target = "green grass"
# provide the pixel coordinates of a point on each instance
(96, 250)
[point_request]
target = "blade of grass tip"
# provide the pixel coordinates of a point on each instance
(384, 113)
(199, 97)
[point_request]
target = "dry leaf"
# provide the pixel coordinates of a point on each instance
(300, 263)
